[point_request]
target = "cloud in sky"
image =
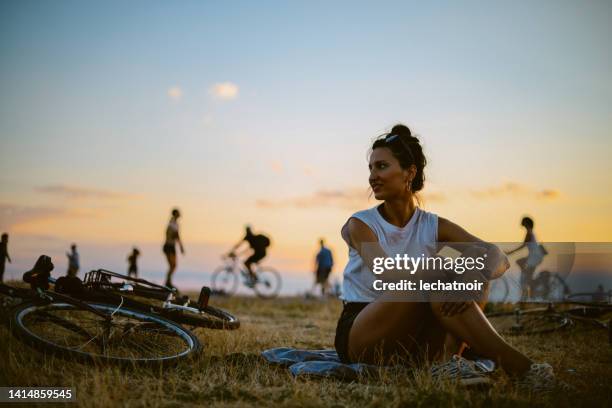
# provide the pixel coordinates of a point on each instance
(175, 93)
(355, 198)
(276, 166)
(513, 189)
(74, 192)
(224, 90)
(208, 119)
(349, 198)
(433, 197)
(12, 215)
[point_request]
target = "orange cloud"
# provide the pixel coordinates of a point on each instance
(276, 166)
(351, 198)
(175, 93)
(515, 190)
(224, 90)
(12, 216)
(73, 192)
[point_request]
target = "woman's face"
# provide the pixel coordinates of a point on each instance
(387, 178)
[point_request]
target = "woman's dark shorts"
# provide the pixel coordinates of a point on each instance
(169, 249)
(345, 322)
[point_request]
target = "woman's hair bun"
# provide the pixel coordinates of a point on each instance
(409, 152)
(404, 132)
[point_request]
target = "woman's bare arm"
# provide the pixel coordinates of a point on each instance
(449, 232)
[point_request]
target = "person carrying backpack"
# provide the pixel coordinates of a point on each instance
(259, 244)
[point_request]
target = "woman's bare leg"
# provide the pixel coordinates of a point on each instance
(405, 327)
(171, 267)
(473, 327)
(409, 330)
(390, 328)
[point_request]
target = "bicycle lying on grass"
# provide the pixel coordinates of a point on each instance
(91, 331)
(143, 295)
(225, 278)
(527, 320)
(97, 320)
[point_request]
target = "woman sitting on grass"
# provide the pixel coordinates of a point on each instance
(371, 327)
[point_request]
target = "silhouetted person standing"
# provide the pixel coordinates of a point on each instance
(324, 263)
(3, 254)
(172, 238)
(73, 261)
(132, 262)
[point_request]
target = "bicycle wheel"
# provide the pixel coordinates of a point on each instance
(521, 322)
(596, 299)
(224, 280)
(210, 317)
(129, 336)
(268, 282)
(549, 287)
(498, 293)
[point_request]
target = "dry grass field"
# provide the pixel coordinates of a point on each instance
(230, 371)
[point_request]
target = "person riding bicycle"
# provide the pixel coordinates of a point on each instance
(528, 264)
(258, 243)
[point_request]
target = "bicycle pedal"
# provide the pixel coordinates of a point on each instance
(204, 297)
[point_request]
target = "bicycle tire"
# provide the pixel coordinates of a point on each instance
(592, 316)
(596, 299)
(268, 282)
(499, 291)
(210, 317)
(224, 280)
(554, 289)
(535, 321)
(39, 325)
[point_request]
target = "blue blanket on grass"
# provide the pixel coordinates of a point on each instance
(326, 364)
(316, 363)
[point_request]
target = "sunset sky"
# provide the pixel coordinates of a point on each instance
(245, 112)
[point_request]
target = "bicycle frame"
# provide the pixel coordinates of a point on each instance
(99, 279)
(46, 296)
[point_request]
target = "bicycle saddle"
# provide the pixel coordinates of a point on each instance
(38, 276)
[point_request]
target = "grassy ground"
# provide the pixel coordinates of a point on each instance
(231, 372)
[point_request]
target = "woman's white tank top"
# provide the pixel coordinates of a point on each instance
(418, 237)
(536, 255)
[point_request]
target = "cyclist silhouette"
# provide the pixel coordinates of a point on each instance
(258, 243)
(528, 264)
